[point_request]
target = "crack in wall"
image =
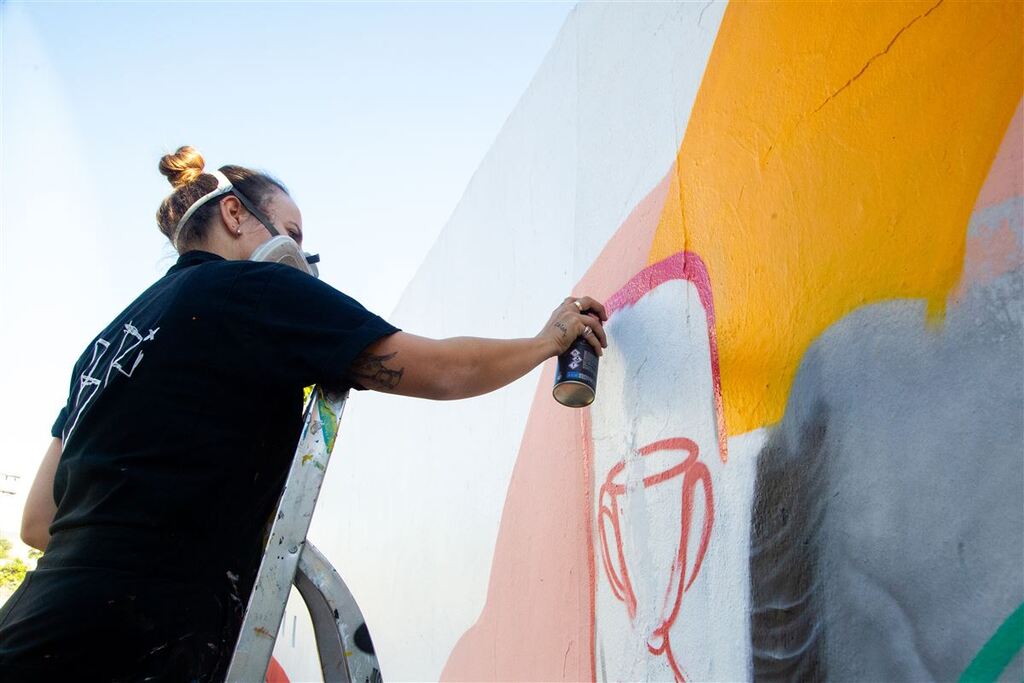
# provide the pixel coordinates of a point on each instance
(883, 52)
(700, 17)
(787, 134)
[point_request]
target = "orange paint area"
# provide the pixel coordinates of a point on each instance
(832, 160)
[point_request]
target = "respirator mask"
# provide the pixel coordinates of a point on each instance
(283, 249)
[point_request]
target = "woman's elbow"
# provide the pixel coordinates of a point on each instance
(456, 379)
(419, 367)
(446, 388)
(35, 532)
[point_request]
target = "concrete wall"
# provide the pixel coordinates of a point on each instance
(805, 458)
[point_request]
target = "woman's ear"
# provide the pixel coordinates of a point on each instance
(231, 214)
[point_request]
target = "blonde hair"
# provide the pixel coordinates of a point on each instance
(184, 171)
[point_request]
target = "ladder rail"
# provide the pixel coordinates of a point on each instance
(287, 539)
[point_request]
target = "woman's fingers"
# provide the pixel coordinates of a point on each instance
(591, 337)
(597, 329)
(592, 330)
(593, 306)
(586, 312)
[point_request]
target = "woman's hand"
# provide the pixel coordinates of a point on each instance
(572, 319)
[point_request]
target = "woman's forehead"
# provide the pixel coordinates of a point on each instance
(283, 208)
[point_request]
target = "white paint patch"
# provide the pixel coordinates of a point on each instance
(663, 611)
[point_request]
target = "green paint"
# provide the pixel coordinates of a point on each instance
(999, 651)
(328, 422)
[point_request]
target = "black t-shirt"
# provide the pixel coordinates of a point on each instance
(184, 412)
(180, 425)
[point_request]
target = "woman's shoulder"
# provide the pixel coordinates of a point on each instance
(252, 285)
(218, 274)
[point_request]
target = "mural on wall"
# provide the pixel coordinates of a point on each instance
(806, 458)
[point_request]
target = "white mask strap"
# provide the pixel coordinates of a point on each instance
(223, 187)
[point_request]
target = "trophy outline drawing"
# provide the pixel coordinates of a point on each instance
(692, 472)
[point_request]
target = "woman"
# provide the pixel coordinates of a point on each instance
(180, 424)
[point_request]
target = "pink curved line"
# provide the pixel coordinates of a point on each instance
(700, 471)
(666, 649)
(617, 584)
(683, 265)
(680, 443)
(621, 586)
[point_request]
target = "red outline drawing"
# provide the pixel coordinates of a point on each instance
(692, 472)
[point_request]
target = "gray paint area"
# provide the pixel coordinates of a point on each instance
(888, 516)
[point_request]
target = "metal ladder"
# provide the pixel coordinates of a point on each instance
(289, 557)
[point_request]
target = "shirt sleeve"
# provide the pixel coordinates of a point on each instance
(300, 331)
(57, 430)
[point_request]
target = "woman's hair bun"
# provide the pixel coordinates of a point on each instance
(182, 167)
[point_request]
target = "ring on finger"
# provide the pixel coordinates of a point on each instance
(586, 330)
(578, 305)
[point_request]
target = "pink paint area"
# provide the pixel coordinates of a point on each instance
(1006, 176)
(535, 625)
(544, 547)
(991, 252)
(995, 248)
(627, 251)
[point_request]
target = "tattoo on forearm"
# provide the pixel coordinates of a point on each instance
(371, 371)
(560, 325)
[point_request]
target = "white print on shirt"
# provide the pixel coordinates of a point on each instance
(122, 354)
(89, 383)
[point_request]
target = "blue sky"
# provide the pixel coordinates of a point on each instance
(374, 114)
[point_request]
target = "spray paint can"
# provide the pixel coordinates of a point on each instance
(576, 376)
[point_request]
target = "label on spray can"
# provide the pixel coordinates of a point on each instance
(576, 376)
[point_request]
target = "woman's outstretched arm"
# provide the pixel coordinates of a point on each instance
(461, 367)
